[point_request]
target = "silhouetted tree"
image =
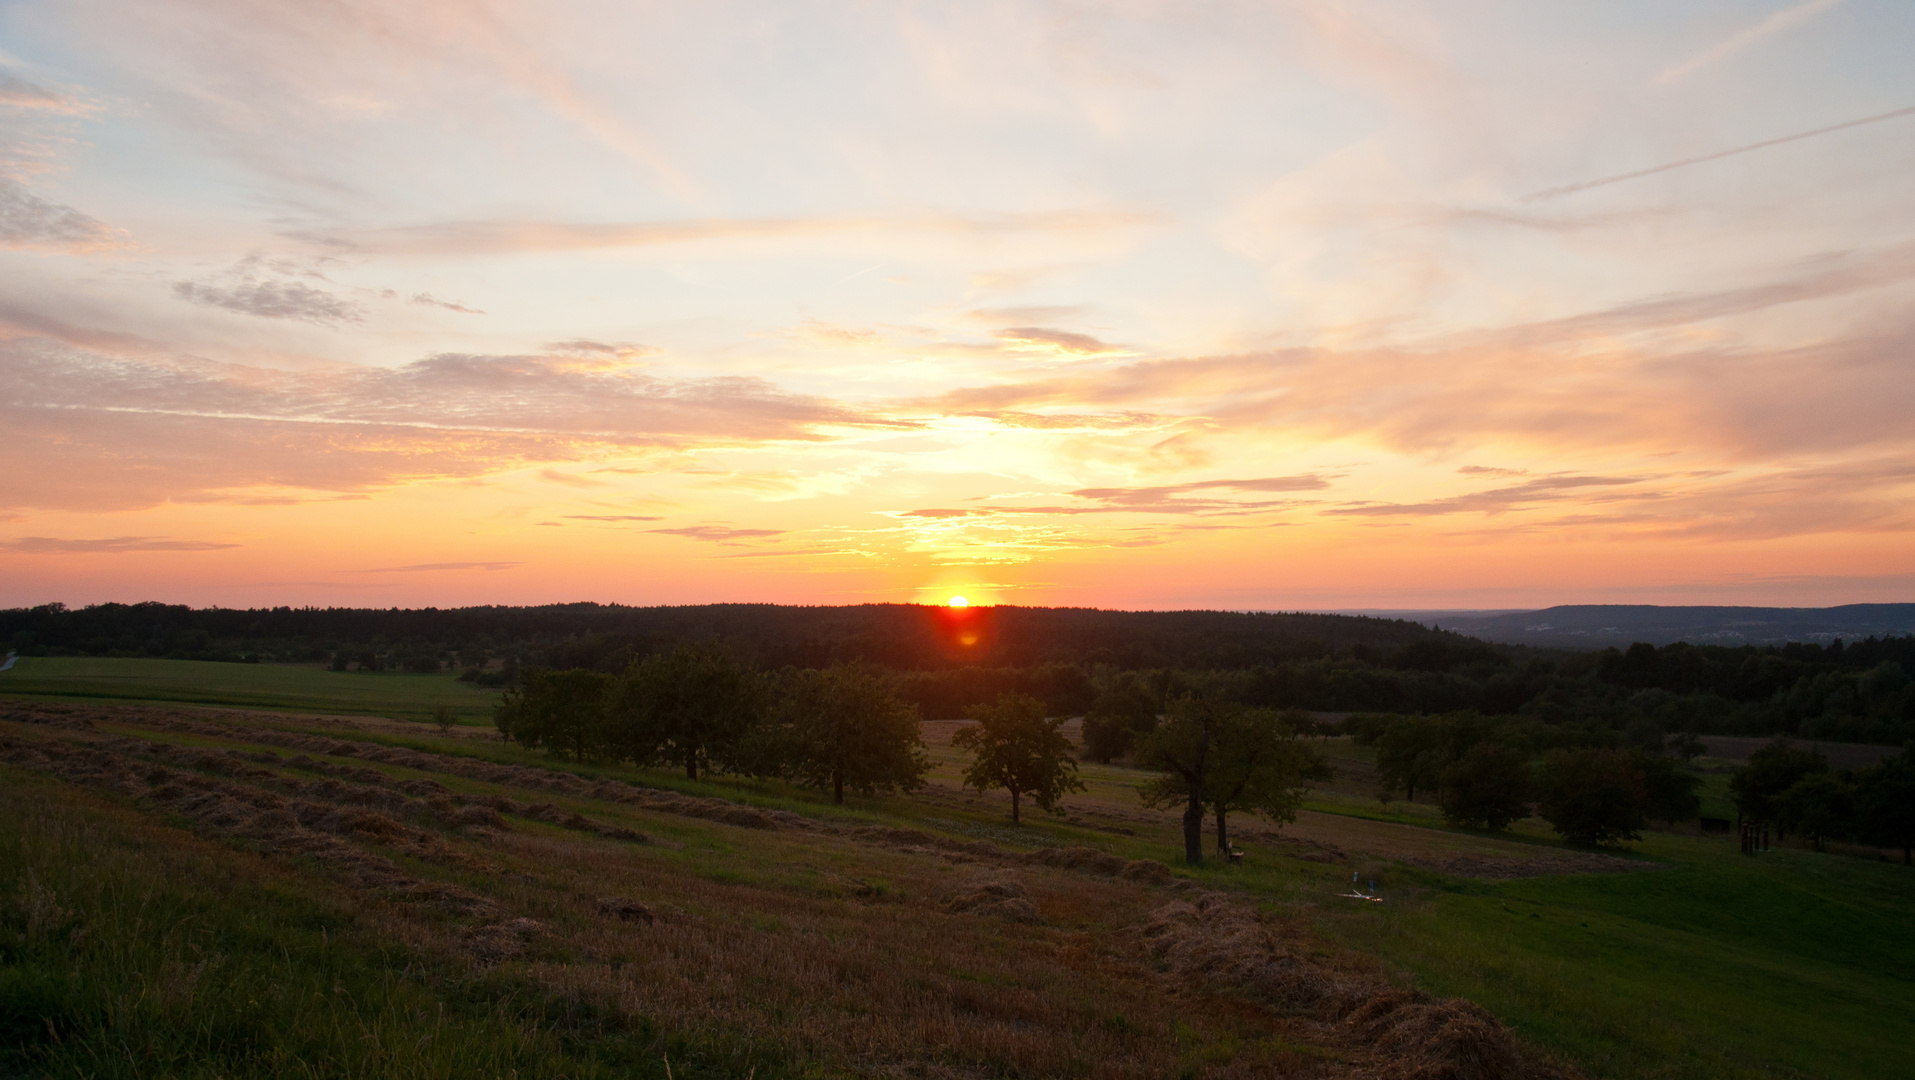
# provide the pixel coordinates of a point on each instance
(1885, 803)
(1670, 789)
(1820, 806)
(564, 711)
(1257, 764)
(1020, 750)
(1125, 710)
(1411, 752)
(693, 704)
(1592, 796)
(1488, 787)
(843, 727)
(1768, 773)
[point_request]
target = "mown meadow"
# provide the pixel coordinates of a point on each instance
(156, 922)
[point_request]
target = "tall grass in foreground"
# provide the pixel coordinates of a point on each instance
(131, 950)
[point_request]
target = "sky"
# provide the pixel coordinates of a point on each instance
(1281, 305)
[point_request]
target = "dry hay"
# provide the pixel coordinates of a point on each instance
(1212, 942)
(997, 897)
(618, 907)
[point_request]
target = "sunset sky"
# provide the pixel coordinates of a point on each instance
(1240, 305)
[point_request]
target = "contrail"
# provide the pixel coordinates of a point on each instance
(1551, 193)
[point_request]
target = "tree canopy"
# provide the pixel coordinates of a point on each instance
(1224, 758)
(1017, 748)
(843, 727)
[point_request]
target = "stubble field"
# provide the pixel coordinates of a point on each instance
(205, 892)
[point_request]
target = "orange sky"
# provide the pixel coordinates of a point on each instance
(1246, 306)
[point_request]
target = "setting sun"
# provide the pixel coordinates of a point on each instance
(958, 601)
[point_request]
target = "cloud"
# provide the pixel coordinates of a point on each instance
(18, 93)
(89, 429)
(468, 238)
(435, 566)
(1161, 499)
(432, 301)
(1044, 339)
(625, 350)
(1489, 470)
(721, 534)
(613, 517)
(1030, 313)
(115, 545)
(1497, 501)
(272, 300)
(31, 223)
(1742, 39)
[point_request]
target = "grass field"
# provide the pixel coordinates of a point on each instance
(282, 687)
(832, 949)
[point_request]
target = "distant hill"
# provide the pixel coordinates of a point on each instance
(1599, 626)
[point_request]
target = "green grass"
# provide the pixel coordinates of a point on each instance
(290, 687)
(1792, 964)
(129, 949)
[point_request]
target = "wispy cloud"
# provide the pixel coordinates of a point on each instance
(613, 517)
(1062, 342)
(430, 300)
(719, 534)
(438, 566)
(1742, 39)
(272, 300)
(32, 223)
(1497, 501)
(466, 238)
(18, 93)
(115, 545)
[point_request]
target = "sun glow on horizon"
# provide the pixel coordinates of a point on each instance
(957, 601)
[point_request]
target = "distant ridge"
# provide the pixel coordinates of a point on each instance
(1599, 626)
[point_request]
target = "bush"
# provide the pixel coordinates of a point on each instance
(1592, 797)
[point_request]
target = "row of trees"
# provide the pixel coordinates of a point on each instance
(1488, 772)
(1791, 789)
(696, 706)
(845, 727)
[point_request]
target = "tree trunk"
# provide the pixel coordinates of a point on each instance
(837, 786)
(1014, 818)
(1223, 838)
(691, 764)
(1194, 827)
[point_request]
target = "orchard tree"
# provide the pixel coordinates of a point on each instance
(1125, 710)
(1885, 803)
(1592, 797)
(564, 711)
(1253, 761)
(1768, 773)
(1488, 787)
(1820, 806)
(1020, 750)
(843, 727)
(1411, 752)
(694, 704)
(1670, 789)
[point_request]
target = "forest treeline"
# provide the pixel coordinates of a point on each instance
(946, 662)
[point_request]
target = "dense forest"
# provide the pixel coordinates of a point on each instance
(946, 660)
